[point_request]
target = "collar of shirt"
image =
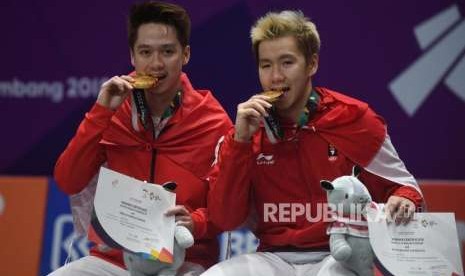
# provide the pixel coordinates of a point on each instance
(159, 122)
(273, 123)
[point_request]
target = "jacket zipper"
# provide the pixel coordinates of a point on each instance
(154, 155)
(302, 169)
(152, 166)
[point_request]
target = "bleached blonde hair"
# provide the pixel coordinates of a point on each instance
(287, 23)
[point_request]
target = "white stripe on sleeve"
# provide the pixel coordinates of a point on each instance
(387, 164)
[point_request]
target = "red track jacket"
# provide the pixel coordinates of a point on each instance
(182, 153)
(343, 132)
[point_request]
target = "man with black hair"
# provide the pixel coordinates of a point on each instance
(166, 132)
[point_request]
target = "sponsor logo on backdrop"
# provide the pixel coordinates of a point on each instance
(442, 40)
(55, 91)
(242, 242)
(66, 246)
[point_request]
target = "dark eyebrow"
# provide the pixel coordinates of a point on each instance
(287, 56)
(169, 45)
(163, 46)
(143, 46)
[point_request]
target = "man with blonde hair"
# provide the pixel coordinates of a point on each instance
(284, 143)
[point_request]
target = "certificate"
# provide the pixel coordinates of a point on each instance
(427, 245)
(129, 214)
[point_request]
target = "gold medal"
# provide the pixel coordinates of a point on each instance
(144, 81)
(273, 96)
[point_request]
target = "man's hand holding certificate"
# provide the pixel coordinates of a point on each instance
(427, 245)
(129, 214)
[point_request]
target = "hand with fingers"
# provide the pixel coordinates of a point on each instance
(183, 239)
(248, 117)
(182, 217)
(400, 209)
(114, 91)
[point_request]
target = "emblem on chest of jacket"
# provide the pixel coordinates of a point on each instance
(265, 159)
(332, 153)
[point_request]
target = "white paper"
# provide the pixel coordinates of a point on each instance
(427, 245)
(131, 213)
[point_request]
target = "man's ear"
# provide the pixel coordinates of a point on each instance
(313, 64)
(131, 52)
(186, 52)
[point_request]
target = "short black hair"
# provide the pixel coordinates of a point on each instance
(159, 12)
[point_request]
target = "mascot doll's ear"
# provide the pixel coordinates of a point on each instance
(327, 185)
(356, 170)
(170, 186)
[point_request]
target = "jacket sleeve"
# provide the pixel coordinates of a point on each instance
(228, 200)
(84, 155)
(203, 226)
(387, 175)
(381, 189)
